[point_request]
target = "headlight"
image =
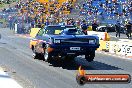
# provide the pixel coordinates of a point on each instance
(57, 41)
(91, 41)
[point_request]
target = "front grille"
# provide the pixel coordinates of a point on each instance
(78, 40)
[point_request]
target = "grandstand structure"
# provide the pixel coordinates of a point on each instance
(46, 8)
(102, 11)
(107, 11)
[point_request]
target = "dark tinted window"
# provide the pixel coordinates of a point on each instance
(40, 33)
(56, 30)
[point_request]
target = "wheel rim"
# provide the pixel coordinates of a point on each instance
(46, 55)
(34, 55)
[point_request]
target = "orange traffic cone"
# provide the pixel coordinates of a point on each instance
(105, 37)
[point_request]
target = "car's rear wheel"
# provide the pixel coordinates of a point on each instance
(35, 54)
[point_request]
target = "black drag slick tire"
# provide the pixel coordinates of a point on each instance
(90, 57)
(36, 56)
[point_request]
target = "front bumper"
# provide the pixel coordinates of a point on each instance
(66, 49)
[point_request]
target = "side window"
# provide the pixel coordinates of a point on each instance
(40, 33)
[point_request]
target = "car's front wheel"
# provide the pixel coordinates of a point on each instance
(47, 55)
(90, 57)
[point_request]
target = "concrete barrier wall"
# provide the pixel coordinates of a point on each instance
(124, 48)
(117, 47)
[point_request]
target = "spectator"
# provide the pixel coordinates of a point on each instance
(10, 23)
(129, 31)
(94, 26)
(118, 29)
(47, 22)
(36, 19)
(39, 24)
(84, 27)
(32, 23)
(42, 20)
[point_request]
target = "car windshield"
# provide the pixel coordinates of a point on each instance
(57, 30)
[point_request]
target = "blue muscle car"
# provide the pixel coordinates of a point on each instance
(64, 42)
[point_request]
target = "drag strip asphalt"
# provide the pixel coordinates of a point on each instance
(16, 58)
